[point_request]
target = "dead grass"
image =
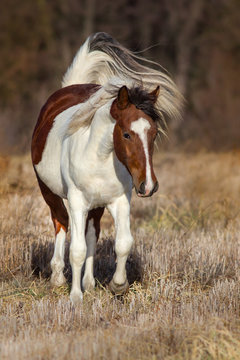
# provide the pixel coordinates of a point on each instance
(184, 298)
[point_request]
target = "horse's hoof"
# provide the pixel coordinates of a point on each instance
(57, 279)
(118, 289)
(76, 297)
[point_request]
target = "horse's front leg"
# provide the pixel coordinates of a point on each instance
(78, 248)
(120, 211)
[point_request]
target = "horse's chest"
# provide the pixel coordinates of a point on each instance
(101, 182)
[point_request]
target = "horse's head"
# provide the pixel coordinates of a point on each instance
(134, 135)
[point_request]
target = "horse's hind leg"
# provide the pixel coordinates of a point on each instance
(57, 262)
(120, 210)
(92, 234)
(60, 221)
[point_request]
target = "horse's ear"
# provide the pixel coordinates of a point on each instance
(123, 98)
(154, 94)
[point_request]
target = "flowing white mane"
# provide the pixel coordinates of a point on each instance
(102, 60)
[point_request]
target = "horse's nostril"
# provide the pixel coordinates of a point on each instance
(142, 188)
(154, 189)
(156, 186)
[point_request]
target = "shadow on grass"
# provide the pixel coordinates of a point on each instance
(104, 262)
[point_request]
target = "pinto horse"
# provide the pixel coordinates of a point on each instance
(93, 142)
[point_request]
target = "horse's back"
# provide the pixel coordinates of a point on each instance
(49, 132)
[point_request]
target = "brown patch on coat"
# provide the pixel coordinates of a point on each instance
(57, 103)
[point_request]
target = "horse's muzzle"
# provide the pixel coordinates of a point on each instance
(142, 192)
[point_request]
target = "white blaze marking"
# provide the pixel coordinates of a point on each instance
(141, 127)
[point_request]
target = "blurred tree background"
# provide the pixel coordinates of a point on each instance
(197, 41)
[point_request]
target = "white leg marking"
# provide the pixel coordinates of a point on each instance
(88, 279)
(120, 211)
(57, 262)
(141, 127)
(78, 248)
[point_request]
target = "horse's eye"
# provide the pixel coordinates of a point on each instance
(126, 136)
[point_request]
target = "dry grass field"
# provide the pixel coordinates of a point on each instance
(184, 270)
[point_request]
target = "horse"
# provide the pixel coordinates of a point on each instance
(93, 142)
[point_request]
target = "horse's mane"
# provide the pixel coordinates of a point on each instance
(102, 60)
(145, 102)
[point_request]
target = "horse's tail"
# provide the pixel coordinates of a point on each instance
(91, 64)
(102, 59)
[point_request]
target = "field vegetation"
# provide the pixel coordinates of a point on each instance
(184, 297)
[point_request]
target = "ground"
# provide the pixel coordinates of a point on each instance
(184, 297)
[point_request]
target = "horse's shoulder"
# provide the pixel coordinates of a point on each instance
(58, 102)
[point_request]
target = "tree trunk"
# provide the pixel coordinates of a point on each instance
(89, 18)
(184, 42)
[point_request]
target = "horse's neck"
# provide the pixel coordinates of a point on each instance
(100, 140)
